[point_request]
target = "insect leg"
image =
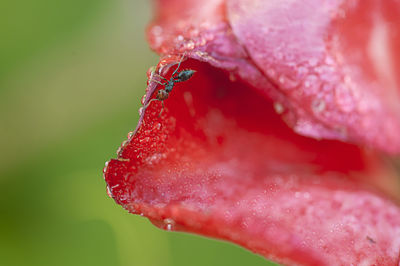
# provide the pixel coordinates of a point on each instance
(147, 105)
(183, 56)
(156, 81)
(162, 109)
(159, 76)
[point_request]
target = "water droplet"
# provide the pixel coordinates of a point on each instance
(150, 72)
(318, 105)
(312, 84)
(109, 193)
(287, 82)
(156, 30)
(302, 72)
(130, 134)
(104, 170)
(279, 108)
(189, 45)
(155, 158)
(124, 143)
(169, 224)
(144, 140)
(143, 99)
(157, 126)
(141, 110)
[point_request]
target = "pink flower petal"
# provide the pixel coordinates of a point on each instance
(337, 62)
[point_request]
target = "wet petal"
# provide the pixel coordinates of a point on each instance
(221, 163)
(337, 62)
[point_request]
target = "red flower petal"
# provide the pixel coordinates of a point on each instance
(220, 162)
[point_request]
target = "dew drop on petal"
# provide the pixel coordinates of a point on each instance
(169, 224)
(287, 82)
(318, 105)
(143, 99)
(141, 110)
(109, 192)
(279, 108)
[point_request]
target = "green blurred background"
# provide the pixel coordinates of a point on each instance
(72, 73)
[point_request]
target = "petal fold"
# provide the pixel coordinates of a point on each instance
(221, 163)
(332, 66)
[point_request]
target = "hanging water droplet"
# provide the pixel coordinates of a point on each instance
(105, 167)
(109, 192)
(169, 224)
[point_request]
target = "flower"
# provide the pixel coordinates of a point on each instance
(276, 141)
